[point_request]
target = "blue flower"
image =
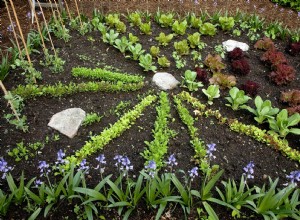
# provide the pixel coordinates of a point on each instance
(10, 27)
(172, 161)
(249, 170)
(83, 166)
(101, 159)
(211, 148)
(294, 177)
(60, 156)
(118, 158)
(151, 168)
(4, 168)
(43, 167)
(126, 164)
(37, 183)
(193, 173)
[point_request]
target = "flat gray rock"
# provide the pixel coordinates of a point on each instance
(231, 44)
(67, 121)
(165, 81)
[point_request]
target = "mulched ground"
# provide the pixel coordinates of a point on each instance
(234, 151)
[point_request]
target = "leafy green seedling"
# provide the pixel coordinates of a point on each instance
(226, 23)
(189, 81)
(146, 62)
(182, 47)
(194, 39)
(135, 19)
(164, 39)
(132, 38)
(110, 37)
(163, 61)
(179, 28)
(136, 51)
(263, 111)
(146, 28)
(122, 44)
(166, 20)
(154, 51)
(212, 92)
(237, 98)
(282, 123)
(208, 29)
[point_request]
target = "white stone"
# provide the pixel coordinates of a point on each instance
(165, 81)
(67, 121)
(231, 44)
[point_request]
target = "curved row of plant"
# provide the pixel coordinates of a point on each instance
(258, 134)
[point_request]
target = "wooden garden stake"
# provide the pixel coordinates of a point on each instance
(38, 26)
(46, 25)
(68, 11)
(10, 102)
(78, 13)
(22, 36)
(15, 35)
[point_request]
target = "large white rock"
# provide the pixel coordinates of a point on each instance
(67, 121)
(231, 44)
(165, 81)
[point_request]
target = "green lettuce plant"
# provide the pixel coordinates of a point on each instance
(91, 118)
(122, 44)
(146, 62)
(132, 38)
(112, 19)
(208, 29)
(179, 28)
(163, 61)
(121, 27)
(110, 37)
(194, 39)
(212, 92)
(136, 51)
(194, 21)
(282, 123)
(263, 111)
(134, 18)
(166, 20)
(189, 81)
(154, 51)
(164, 39)
(182, 47)
(226, 23)
(145, 28)
(236, 98)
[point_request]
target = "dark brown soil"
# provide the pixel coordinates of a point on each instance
(234, 151)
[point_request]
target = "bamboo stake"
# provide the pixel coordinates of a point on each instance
(59, 17)
(38, 26)
(10, 102)
(46, 25)
(68, 11)
(15, 35)
(22, 37)
(78, 13)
